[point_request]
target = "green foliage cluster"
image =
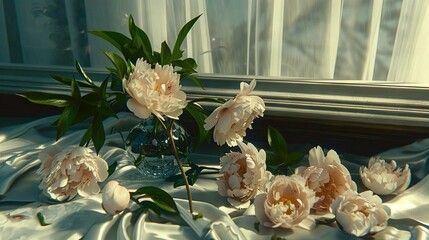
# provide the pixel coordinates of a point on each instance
(280, 160)
(101, 101)
(87, 100)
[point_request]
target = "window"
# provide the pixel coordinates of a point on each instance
(346, 60)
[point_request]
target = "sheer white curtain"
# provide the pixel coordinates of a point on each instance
(300, 38)
(293, 38)
(378, 40)
(410, 61)
(340, 39)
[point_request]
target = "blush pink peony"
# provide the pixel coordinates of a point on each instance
(243, 175)
(383, 178)
(155, 91)
(327, 177)
(360, 214)
(286, 203)
(231, 120)
(66, 173)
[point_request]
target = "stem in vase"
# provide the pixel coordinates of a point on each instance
(176, 155)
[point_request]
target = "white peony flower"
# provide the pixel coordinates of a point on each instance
(66, 173)
(360, 214)
(115, 197)
(287, 202)
(154, 91)
(231, 120)
(327, 177)
(383, 178)
(243, 175)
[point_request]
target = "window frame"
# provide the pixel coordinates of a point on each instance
(350, 101)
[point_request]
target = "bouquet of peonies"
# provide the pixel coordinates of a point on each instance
(148, 83)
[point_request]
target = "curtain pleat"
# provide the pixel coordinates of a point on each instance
(411, 50)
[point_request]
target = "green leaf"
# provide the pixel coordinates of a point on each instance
(98, 135)
(119, 63)
(273, 159)
(111, 70)
(195, 80)
(83, 74)
(283, 169)
(132, 53)
(159, 196)
(192, 176)
(117, 39)
(116, 82)
(61, 79)
(112, 168)
(102, 90)
(67, 81)
(41, 219)
(56, 100)
(106, 110)
(91, 98)
(75, 91)
(277, 142)
(120, 99)
(165, 54)
(177, 53)
(67, 118)
(86, 136)
(85, 111)
(294, 157)
(146, 205)
(104, 106)
(140, 39)
(199, 116)
(180, 181)
(188, 64)
(157, 57)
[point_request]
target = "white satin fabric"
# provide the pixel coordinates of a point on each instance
(21, 199)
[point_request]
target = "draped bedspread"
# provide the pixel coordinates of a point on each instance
(21, 199)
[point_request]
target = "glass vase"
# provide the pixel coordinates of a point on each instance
(149, 148)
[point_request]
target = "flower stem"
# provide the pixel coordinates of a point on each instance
(182, 171)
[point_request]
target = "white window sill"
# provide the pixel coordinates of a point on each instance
(356, 101)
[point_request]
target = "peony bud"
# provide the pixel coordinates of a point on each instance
(115, 197)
